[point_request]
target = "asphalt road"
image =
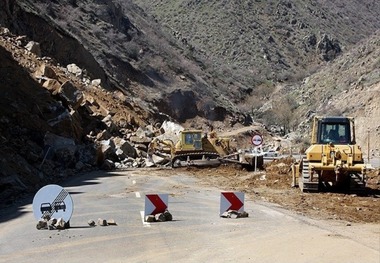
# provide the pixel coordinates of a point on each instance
(197, 233)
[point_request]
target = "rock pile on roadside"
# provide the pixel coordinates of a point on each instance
(56, 121)
(234, 214)
(159, 217)
(48, 223)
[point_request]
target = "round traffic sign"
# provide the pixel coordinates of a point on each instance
(53, 201)
(257, 140)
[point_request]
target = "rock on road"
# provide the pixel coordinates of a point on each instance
(196, 234)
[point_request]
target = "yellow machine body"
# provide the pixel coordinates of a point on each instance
(333, 160)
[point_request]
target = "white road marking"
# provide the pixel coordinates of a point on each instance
(138, 195)
(145, 224)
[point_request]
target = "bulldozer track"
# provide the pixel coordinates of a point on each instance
(197, 161)
(306, 185)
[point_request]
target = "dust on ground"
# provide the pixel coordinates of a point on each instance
(274, 185)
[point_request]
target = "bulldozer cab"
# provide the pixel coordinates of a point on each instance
(191, 140)
(335, 130)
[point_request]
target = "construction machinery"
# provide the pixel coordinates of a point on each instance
(195, 148)
(333, 161)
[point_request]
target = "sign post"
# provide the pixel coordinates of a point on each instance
(256, 140)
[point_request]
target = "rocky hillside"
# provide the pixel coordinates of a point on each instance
(55, 122)
(87, 84)
(250, 43)
(349, 86)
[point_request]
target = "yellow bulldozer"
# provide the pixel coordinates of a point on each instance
(333, 162)
(195, 148)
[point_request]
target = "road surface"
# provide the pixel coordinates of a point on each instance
(197, 233)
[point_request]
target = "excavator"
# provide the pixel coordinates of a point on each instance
(333, 162)
(195, 148)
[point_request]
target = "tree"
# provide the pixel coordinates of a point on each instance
(283, 111)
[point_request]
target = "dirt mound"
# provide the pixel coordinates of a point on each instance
(274, 185)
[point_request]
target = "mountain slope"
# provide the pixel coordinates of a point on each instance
(191, 58)
(272, 40)
(349, 86)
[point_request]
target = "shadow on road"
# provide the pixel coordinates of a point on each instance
(13, 209)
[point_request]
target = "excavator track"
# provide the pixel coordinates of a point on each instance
(204, 159)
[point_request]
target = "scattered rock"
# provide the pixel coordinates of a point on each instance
(149, 218)
(96, 82)
(34, 47)
(168, 216)
(74, 69)
(60, 223)
(45, 71)
(71, 94)
(42, 224)
(102, 222)
(111, 222)
(52, 223)
(234, 214)
(160, 217)
(91, 222)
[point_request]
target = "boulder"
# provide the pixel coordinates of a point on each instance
(42, 224)
(148, 131)
(45, 71)
(57, 141)
(111, 222)
(108, 149)
(125, 147)
(102, 222)
(71, 94)
(140, 140)
(96, 82)
(91, 222)
(34, 47)
(88, 154)
(168, 216)
(328, 48)
(52, 85)
(111, 126)
(108, 165)
(160, 217)
(74, 69)
(61, 223)
(150, 218)
(103, 135)
(159, 160)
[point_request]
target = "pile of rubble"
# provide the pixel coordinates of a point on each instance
(102, 222)
(48, 223)
(234, 214)
(59, 122)
(159, 217)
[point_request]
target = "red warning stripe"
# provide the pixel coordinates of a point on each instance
(235, 202)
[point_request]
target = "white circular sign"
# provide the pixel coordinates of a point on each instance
(53, 201)
(257, 140)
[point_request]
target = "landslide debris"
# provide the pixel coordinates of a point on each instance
(273, 184)
(56, 122)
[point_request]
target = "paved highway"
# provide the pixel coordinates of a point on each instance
(197, 233)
